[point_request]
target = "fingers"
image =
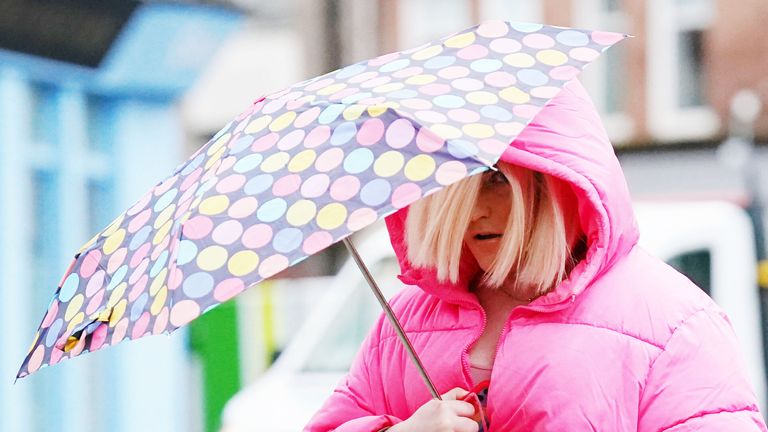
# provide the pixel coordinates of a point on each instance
(455, 393)
(464, 424)
(460, 408)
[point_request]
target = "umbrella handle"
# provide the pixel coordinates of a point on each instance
(392, 318)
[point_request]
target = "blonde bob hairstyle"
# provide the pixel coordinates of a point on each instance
(541, 230)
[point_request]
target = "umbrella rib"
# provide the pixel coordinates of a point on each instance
(392, 318)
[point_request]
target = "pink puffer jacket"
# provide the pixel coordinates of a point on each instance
(625, 344)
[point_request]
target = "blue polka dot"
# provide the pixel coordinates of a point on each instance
(165, 200)
(53, 332)
(271, 210)
(241, 144)
(198, 285)
(159, 264)
(330, 113)
(532, 77)
(485, 65)
(356, 97)
(358, 160)
(403, 94)
(139, 237)
(194, 163)
(350, 71)
(248, 163)
(138, 306)
(343, 133)
(572, 38)
(449, 101)
(496, 113)
(395, 65)
(221, 132)
(439, 62)
(526, 27)
(258, 184)
(117, 277)
(375, 192)
(287, 240)
(187, 252)
(69, 287)
(461, 149)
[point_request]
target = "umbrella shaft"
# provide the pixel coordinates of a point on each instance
(392, 318)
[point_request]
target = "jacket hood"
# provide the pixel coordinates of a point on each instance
(566, 140)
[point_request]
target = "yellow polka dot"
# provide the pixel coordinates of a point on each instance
(34, 341)
(214, 158)
(283, 121)
(331, 216)
(158, 282)
(482, 98)
(258, 124)
(514, 95)
(216, 146)
(521, 60)
(419, 167)
(445, 131)
(214, 205)
(302, 161)
(388, 164)
(388, 87)
(117, 312)
(301, 212)
(159, 301)
(427, 52)
(164, 216)
(275, 162)
(89, 243)
(377, 110)
(308, 98)
(331, 89)
(421, 79)
(117, 294)
(113, 241)
(74, 306)
(243, 262)
(162, 233)
(76, 321)
(460, 41)
(353, 112)
(552, 57)
(113, 226)
(478, 130)
(212, 258)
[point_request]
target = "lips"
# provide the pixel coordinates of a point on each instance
(486, 236)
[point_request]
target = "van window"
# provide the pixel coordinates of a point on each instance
(697, 266)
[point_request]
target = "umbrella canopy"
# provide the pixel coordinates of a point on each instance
(302, 169)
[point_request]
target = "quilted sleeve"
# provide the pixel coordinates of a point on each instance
(350, 407)
(698, 383)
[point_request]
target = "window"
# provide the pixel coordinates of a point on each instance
(44, 112)
(697, 266)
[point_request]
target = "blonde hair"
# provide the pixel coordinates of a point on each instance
(541, 229)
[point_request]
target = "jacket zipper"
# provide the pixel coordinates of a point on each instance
(465, 352)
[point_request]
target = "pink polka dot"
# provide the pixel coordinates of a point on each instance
(95, 283)
(139, 220)
(428, 142)
(345, 188)
(606, 38)
(228, 288)
(273, 106)
(317, 136)
(375, 82)
(197, 227)
(184, 312)
(418, 104)
(430, 116)
(545, 92)
(538, 41)
(435, 89)
(349, 91)
(98, 337)
(472, 52)
(95, 303)
(191, 179)
(405, 194)
(526, 111)
(230, 183)
(467, 84)
(400, 133)
(175, 277)
(365, 76)
(182, 208)
(361, 218)
(139, 255)
(386, 58)
(450, 172)
(161, 322)
(493, 29)
(227, 232)
(165, 186)
(408, 72)
(500, 79)
(293, 105)
(56, 356)
(90, 263)
(140, 204)
(505, 46)
(315, 185)
(272, 266)
(463, 115)
(329, 159)
(140, 326)
(307, 117)
(243, 207)
(370, 132)
(291, 140)
(453, 72)
(138, 288)
(265, 142)
(492, 146)
(317, 85)
(316, 242)
(36, 359)
(53, 310)
(139, 271)
(116, 259)
(226, 164)
(118, 333)
(564, 73)
(160, 248)
(257, 236)
(584, 54)
(286, 185)
(510, 129)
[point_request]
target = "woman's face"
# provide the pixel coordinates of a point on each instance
(489, 218)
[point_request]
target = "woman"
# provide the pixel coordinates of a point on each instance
(540, 288)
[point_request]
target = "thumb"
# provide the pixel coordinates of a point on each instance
(455, 393)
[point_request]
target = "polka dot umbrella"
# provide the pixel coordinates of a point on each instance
(302, 169)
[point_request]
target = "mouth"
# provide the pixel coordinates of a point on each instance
(485, 236)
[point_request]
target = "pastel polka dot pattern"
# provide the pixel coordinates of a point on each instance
(302, 169)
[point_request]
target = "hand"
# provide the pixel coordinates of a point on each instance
(447, 415)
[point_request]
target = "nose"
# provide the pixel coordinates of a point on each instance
(481, 210)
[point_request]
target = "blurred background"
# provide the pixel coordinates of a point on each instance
(101, 100)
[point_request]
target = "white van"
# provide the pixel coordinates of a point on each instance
(711, 242)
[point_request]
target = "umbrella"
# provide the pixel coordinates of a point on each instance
(304, 168)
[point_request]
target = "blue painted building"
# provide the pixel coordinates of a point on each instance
(78, 144)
